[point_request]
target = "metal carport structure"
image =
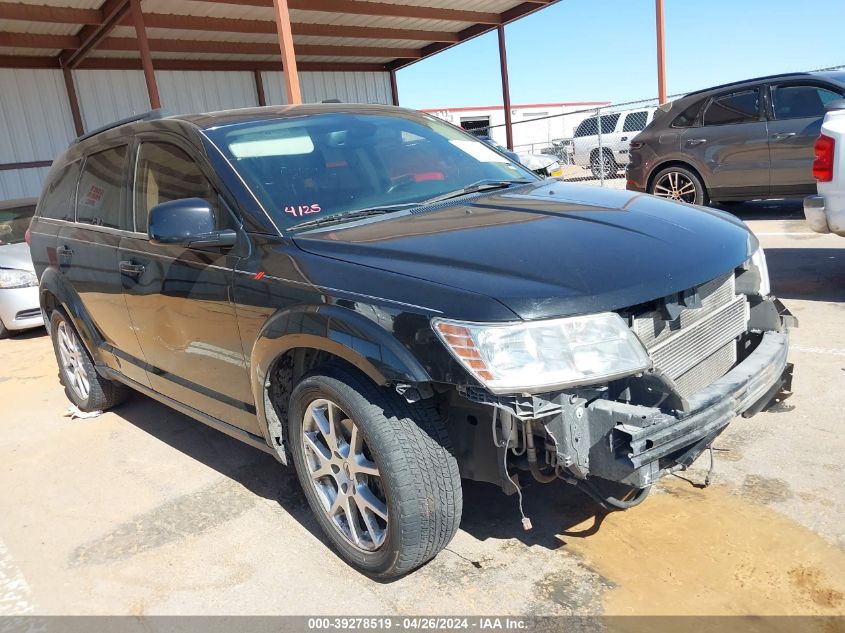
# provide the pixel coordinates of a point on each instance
(73, 65)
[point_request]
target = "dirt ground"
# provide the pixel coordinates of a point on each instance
(144, 511)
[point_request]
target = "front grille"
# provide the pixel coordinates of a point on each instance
(697, 347)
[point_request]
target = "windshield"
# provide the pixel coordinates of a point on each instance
(14, 223)
(323, 165)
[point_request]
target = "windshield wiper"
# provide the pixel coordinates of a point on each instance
(475, 187)
(349, 216)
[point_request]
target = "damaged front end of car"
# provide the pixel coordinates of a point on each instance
(708, 354)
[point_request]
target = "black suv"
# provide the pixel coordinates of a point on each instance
(739, 141)
(389, 304)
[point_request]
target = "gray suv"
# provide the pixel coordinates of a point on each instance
(739, 141)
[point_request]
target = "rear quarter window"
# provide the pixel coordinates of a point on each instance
(689, 116)
(101, 197)
(738, 107)
(59, 197)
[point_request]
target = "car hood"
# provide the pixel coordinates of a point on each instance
(16, 256)
(549, 249)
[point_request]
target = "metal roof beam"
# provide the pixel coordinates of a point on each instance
(112, 12)
(250, 48)
(108, 63)
(56, 15)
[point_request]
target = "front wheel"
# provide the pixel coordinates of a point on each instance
(378, 473)
(678, 183)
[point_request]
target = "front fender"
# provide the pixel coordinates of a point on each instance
(339, 331)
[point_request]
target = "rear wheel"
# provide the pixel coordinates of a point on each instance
(377, 472)
(678, 183)
(84, 387)
(603, 166)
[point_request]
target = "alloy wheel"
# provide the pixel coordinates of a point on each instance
(675, 186)
(344, 475)
(70, 351)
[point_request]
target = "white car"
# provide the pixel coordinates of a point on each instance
(19, 305)
(617, 130)
(825, 212)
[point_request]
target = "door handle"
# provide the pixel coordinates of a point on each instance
(131, 269)
(779, 136)
(695, 141)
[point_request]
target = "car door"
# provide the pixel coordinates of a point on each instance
(795, 110)
(180, 299)
(730, 148)
(632, 124)
(86, 254)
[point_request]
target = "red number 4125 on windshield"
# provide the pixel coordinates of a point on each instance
(303, 209)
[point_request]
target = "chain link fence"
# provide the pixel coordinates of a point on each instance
(589, 143)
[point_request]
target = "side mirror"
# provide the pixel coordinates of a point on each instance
(187, 222)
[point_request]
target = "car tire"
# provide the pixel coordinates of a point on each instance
(417, 488)
(4, 333)
(674, 182)
(84, 387)
(608, 165)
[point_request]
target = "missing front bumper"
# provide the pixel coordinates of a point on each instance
(635, 445)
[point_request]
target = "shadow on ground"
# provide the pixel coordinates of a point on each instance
(813, 274)
(488, 513)
(784, 209)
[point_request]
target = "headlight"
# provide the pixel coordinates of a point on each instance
(759, 260)
(14, 278)
(535, 355)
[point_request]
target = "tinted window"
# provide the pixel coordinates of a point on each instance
(737, 107)
(689, 116)
(308, 167)
(608, 123)
(798, 102)
(57, 200)
(100, 199)
(14, 223)
(635, 121)
(587, 127)
(165, 172)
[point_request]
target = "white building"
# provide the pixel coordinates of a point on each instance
(534, 124)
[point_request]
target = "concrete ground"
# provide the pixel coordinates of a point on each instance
(144, 511)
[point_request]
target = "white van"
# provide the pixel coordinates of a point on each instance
(617, 130)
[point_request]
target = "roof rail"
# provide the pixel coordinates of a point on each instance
(745, 81)
(152, 115)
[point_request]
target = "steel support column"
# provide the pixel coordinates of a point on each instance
(394, 88)
(73, 101)
(282, 15)
(661, 52)
(259, 88)
(506, 91)
(146, 59)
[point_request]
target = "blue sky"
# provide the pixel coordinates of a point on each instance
(597, 50)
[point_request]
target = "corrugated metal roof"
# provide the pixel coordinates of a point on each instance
(348, 24)
(43, 28)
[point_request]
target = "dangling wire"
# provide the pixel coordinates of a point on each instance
(526, 522)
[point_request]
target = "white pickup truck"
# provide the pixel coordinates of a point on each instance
(825, 212)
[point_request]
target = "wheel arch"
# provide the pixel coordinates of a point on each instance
(675, 163)
(54, 293)
(294, 341)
